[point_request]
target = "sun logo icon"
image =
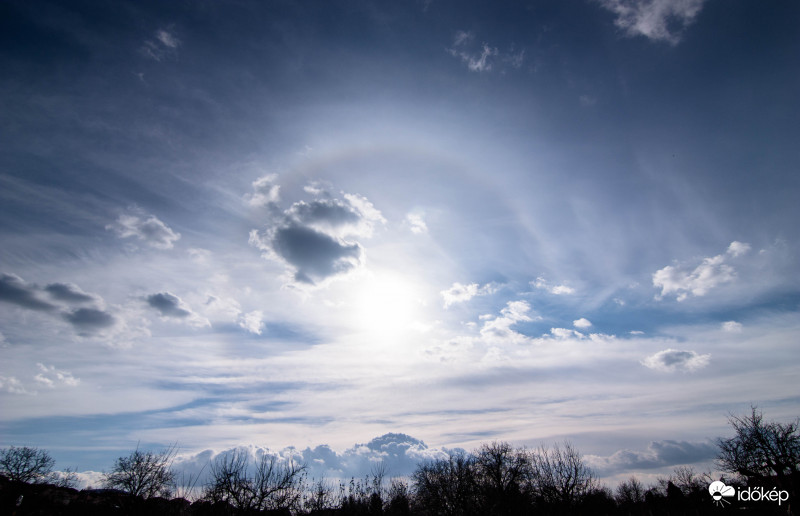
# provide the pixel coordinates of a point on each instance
(719, 491)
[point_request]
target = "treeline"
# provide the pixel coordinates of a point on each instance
(495, 479)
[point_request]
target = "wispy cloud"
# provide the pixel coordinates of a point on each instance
(659, 20)
(146, 228)
(162, 45)
(559, 290)
(51, 377)
(682, 280)
(416, 222)
(483, 57)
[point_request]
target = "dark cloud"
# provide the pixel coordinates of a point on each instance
(314, 255)
(15, 290)
(168, 305)
(89, 320)
(68, 293)
(318, 239)
(671, 360)
(659, 454)
(325, 212)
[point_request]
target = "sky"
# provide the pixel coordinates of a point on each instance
(354, 231)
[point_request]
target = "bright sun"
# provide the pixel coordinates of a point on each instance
(387, 304)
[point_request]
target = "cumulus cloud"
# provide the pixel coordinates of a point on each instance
(171, 306)
(659, 454)
(658, 20)
(88, 321)
(162, 45)
(671, 360)
(499, 328)
(17, 291)
(582, 323)
(459, 293)
(683, 280)
(265, 191)
(147, 228)
(566, 333)
(732, 327)
(559, 290)
(399, 453)
(69, 293)
(314, 239)
(252, 321)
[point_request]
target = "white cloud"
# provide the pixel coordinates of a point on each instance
(659, 20)
(459, 293)
(163, 45)
(581, 323)
(265, 191)
(51, 377)
(252, 321)
(566, 333)
(499, 328)
(670, 360)
(483, 58)
(738, 248)
(559, 290)
(684, 281)
(11, 385)
(399, 453)
(147, 228)
(416, 222)
(732, 327)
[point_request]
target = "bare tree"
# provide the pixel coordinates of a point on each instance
(25, 464)
(269, 484)
(630, 492)
(559, 476)
(502, 472)
(447, 487)
(762, 450)
(320, 496)
(143, 473)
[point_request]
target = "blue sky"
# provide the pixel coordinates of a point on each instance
(418, 225)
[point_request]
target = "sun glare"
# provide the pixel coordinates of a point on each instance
(387, 305)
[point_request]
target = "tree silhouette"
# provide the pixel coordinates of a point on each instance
(269, 484)
(25, 464)
(762, 451)
(143, 473)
